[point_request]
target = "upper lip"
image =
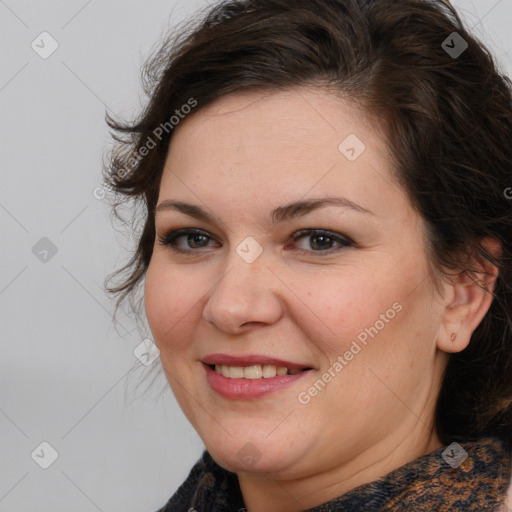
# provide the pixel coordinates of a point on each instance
(251, 359)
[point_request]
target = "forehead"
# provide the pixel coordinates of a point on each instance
(266, 124)
(281, 144)
(290, 115)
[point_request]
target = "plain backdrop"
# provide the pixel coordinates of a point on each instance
(68, 375)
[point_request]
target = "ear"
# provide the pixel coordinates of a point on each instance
(467, 300)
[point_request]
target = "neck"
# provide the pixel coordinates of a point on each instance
(275, 493)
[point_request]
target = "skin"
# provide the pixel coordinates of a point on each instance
(240, 158)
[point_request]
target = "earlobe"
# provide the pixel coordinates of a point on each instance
(452, 335)
(452, 338)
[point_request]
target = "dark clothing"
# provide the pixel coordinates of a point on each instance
(433, 482)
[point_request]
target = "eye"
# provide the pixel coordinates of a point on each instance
(192, 239)
(321, 240)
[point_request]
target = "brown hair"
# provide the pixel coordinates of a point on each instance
(447, 117)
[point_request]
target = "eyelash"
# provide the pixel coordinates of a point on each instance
(169, 240)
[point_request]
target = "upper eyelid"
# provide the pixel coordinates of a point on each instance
(316, 231)
(298, 232)
(178, 233)
(296, 235)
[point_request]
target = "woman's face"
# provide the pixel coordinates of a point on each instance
(352, 301)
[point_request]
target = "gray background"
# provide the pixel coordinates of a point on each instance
(68, 375)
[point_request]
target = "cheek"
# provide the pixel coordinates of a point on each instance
(371, 321)
(341, 306)
(171, 299)
(155, 300)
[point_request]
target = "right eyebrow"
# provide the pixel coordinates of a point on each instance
(186, 208)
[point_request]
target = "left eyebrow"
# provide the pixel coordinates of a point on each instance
(279, 214)
(301, 208)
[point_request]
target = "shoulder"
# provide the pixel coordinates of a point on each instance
(185, 492)
(207, 486)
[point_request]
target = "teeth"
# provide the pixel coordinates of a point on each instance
(235, 372)
(253, 372)
(281, 370)
(269, 371)
(256, 371)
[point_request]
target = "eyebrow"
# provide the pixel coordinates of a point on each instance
(279, 214)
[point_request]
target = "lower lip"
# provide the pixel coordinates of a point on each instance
(248, 388)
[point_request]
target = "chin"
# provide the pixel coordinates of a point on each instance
(248, 460)
(251, 454)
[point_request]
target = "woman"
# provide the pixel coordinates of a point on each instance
(327, 255)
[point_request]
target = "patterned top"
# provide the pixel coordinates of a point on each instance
(472, 477)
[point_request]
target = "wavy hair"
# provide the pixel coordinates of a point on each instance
(445, 109)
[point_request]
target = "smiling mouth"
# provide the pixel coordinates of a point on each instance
(256, 371)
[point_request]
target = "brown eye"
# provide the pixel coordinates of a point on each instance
(321, 241)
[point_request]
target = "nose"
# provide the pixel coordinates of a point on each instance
(248, 294)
